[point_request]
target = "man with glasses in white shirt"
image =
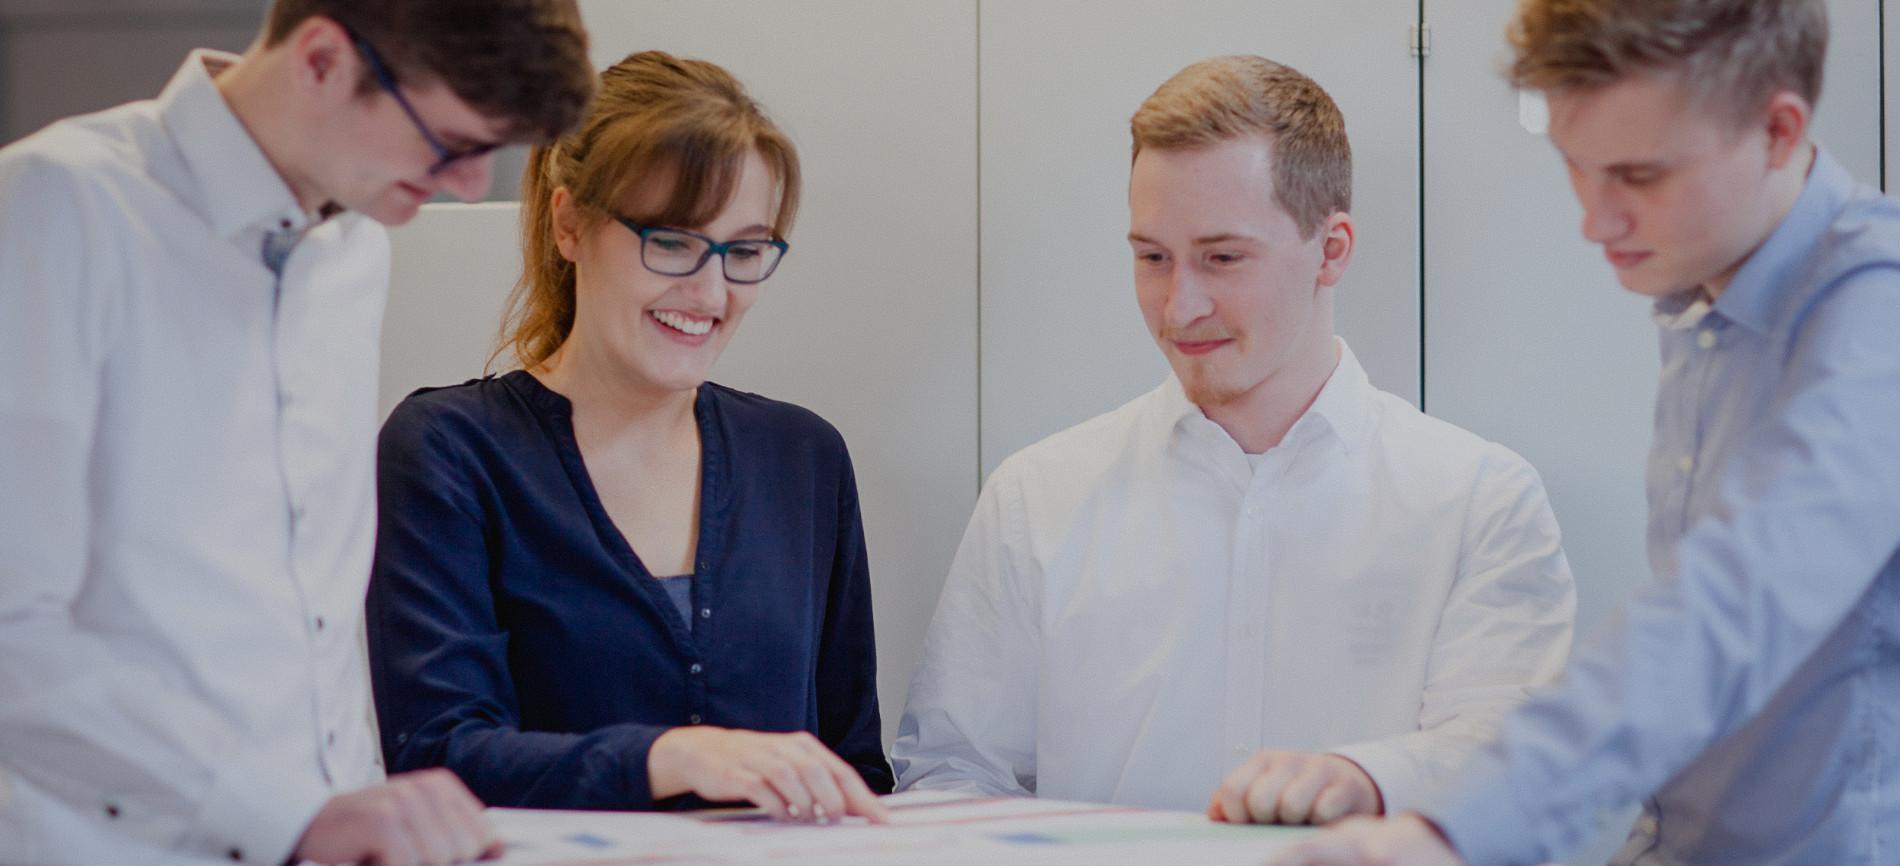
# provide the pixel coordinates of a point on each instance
(1265, 588)
(191, 299)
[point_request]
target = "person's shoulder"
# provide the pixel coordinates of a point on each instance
(472, 409)
(1424, 445)
(1864, 236)
(747, 414)
(77, 154)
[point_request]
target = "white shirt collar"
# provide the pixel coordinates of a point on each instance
(1343, 407)
(238, 188)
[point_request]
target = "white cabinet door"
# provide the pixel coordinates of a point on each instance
(1062, 338)
(871, 320)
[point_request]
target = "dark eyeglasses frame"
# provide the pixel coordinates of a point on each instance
(444, 157)
(713, 248)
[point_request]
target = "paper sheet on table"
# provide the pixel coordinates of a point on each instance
(926, 828)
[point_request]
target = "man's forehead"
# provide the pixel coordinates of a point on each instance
(1639, 120)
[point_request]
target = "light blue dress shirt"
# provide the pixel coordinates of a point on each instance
(1750, 694)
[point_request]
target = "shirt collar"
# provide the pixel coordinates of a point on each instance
(1343, 407)
(237, 186)
(1754, 298)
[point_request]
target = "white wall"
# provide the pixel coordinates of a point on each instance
(63, 57)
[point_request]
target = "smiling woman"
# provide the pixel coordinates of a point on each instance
(602, 581)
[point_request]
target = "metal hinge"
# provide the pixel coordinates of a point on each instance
(1420, 40)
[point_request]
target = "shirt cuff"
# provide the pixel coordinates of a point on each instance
(1485, 823)
(1393, 768)
(256, 813)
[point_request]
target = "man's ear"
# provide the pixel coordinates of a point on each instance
(323, 58)
(1336, 236)
(1786, 122)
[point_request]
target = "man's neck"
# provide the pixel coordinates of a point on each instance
(1784, 190)
(257, 101)
(1260, 418)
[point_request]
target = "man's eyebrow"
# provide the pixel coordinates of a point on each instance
(1222, 238)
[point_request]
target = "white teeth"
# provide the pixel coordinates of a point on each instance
(680, 323)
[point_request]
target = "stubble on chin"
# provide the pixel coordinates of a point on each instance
(1205, 386)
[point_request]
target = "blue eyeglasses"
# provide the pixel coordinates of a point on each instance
(444, 157)
(680, 253)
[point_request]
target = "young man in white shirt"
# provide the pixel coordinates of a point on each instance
(1265, 588)
(191, 297)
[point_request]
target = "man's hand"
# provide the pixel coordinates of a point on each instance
(1294, 788)
(795, 777)
(1406, 840)
(425, 818)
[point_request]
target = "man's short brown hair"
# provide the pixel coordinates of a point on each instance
(1733, 54)
(523, 62)
(1223, 98)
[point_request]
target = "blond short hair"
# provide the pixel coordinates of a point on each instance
(1223, 98)
(1734, 54)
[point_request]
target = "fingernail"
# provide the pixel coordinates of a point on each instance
(792, 811)
(818, 812)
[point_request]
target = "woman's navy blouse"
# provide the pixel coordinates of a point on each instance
(518, 640)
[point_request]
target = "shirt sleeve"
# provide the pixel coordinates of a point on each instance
(1505, 629)
(104, 729)
(970, 723)
(848, 720)
(1803, 526)
(439, 656)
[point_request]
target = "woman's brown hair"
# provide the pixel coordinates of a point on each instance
(654, 117)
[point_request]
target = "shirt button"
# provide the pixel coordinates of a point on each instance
(319, 623)
(1705, 339)
(112, 810)
(1687, 463)
(694, 718)
(705, 613)
(236, 854)
(696, 668)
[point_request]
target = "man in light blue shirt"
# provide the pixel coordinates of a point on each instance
(1750, 694)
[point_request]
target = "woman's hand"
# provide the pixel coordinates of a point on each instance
(794, 777)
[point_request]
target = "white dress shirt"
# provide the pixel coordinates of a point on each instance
(186, 490)
(1136, 607)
